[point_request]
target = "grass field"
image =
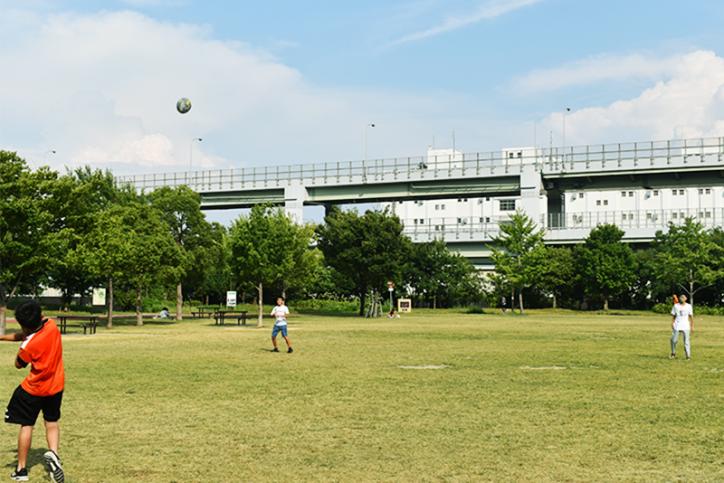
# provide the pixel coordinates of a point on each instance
(550, 396)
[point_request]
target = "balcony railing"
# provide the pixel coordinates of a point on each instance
(471, 228)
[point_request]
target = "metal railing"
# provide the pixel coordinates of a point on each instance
(553, 161)
(642, 218)
(471, 228)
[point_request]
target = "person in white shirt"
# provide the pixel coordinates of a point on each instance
(682, 322)
(280, 312)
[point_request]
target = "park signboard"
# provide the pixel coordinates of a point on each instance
(231, 299)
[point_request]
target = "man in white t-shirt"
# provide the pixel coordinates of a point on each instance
(682, 321)
(280, 312)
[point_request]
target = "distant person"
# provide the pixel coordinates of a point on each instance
(503, 304)
(164, 314)
(41, 390)
(392, 314)
(682, 322)
(280, 312)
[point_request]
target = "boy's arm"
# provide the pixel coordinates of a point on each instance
(16, 337)
(691, 322)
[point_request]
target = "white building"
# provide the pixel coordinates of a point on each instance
(634, 207)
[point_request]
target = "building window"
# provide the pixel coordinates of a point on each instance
(673, 192)
(682, 215)
(507, 205)
(460, 220)
(681, 192)
(623, 194)
(630, 216)
(487, 198)
(648, 216)
(422, 221)
(598, 202)
(623, 218)
(442, 207)
(605, 202)
(708, 191)
(707, 214)
(656, 192)
(480, 220)
(487, 219)
(480, 201)
(580, 195)
(701, 191)
(675, 215)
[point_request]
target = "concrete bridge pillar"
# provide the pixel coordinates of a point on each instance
(294, 198)
(533, 199)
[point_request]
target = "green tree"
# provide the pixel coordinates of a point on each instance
(78, 196)
(27, 243)
(268, 249)
(558, 272)
(440, 276)
(606, 264)
(365, 251)
(210, 274)
(130, 245)
(520, 254)
(689, 257)
(180, 209)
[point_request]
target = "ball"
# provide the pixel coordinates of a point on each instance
(183, 105)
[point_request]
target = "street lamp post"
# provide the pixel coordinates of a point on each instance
(191, 150)
(567, 110)
(369, 125)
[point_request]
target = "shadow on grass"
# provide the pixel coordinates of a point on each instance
(35, 458)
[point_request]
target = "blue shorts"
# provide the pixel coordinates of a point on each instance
(279, 328)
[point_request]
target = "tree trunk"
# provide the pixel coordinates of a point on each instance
(139, 315)
(434, 301)
(179, 302)
(362, 300)
(512, 300)
(260, 320)
(605, 304)
(691, 293)
(207, 299)
(109, 301)
(3, 312)
(555, 302)
(520, 301)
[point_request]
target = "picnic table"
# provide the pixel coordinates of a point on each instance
(221, 315)
(89, 323)
(202, 313)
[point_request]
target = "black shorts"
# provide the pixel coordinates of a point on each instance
(24, 408)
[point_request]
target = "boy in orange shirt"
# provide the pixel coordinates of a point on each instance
(42, 389)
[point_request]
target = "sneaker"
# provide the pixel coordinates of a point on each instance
(19, 475)
(55, 470)
(672, 356)
(290, 350)
(275, 350)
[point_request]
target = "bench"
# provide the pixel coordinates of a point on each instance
(221, 315)
(202, 314)
(88, 323)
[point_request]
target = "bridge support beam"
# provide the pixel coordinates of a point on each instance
(533, 199)
(294, 198)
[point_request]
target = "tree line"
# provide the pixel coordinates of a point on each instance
(685, 258)
(80, 230)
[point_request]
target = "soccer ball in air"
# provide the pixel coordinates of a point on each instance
(183, 105)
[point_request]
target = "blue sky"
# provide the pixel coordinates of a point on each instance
(277, 82)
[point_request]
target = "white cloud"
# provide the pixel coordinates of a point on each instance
(688, 103)
(602, 68)
(101, 89)
(487, 11)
